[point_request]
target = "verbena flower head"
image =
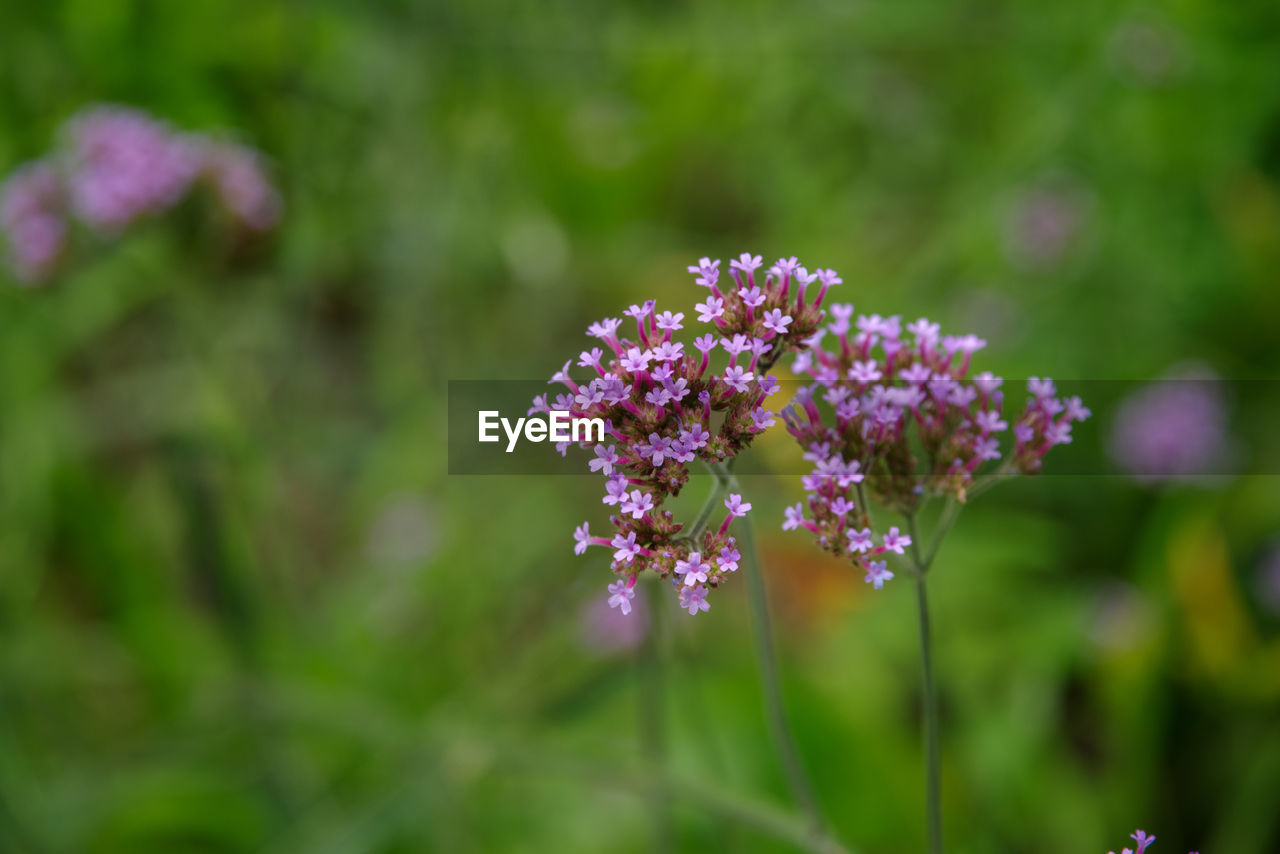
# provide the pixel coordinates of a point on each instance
(894, 415)
(668, 404)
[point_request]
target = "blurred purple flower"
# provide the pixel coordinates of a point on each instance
(241, 181)
(1148, 52)
(126, 165)
(31, 214)
(1045, 222)
(119, 165)
(606, 629)
(1171, 428)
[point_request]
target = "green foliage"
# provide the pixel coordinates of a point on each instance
(244, 608)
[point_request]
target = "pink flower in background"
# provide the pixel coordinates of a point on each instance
(605, 628)
(126, 165)
(116, 166)
(1172, 428)
(241, 181)
(1045, 222)
(32, 215)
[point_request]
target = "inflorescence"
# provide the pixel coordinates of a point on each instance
(903, 422)
(117, 166)
(666, 406)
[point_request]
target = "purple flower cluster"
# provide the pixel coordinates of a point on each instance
(890, 399)
(666, 406)
(118, 165)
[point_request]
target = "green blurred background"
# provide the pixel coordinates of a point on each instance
(243, 606)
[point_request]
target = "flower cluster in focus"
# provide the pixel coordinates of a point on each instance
(116, 166)
(904, 421)
(667, 404)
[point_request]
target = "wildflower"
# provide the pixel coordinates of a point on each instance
(895, 542)
(606, 458)
(909, 423)
(694, 599)
(667, 408)
(626, 547)
(621, 593)
(877, 574)
(692, 569)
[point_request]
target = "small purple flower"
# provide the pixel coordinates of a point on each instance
(615, 490)
(668, 351)
(694, 599)
(692, 569)
(1143, 840)
(865, 372)
(582, 539)
(987, 382)
(706, 343)
(707, 272)
(620, 595)
(753, 296)
(636, 360)
(737, 507)
(626, 547)
(695, 436)
(761, 418)
(990, 422)
(710, 310)
(606, 459)
(669, 322)
(737, 378)
(637, 504)
(729, 557)
(859, 541)
(786, 266)
(877, 573)
(895, 542)
(794, 517)
(1041, 388)
(590, 358)
(747, 263)
(775, 321)
(659, 397)
(604, 329)
(841, 506)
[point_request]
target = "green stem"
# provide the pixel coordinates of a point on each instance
(783, 740)
(933, 758)
(652, 719)
(929, 688)
(700, 523)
